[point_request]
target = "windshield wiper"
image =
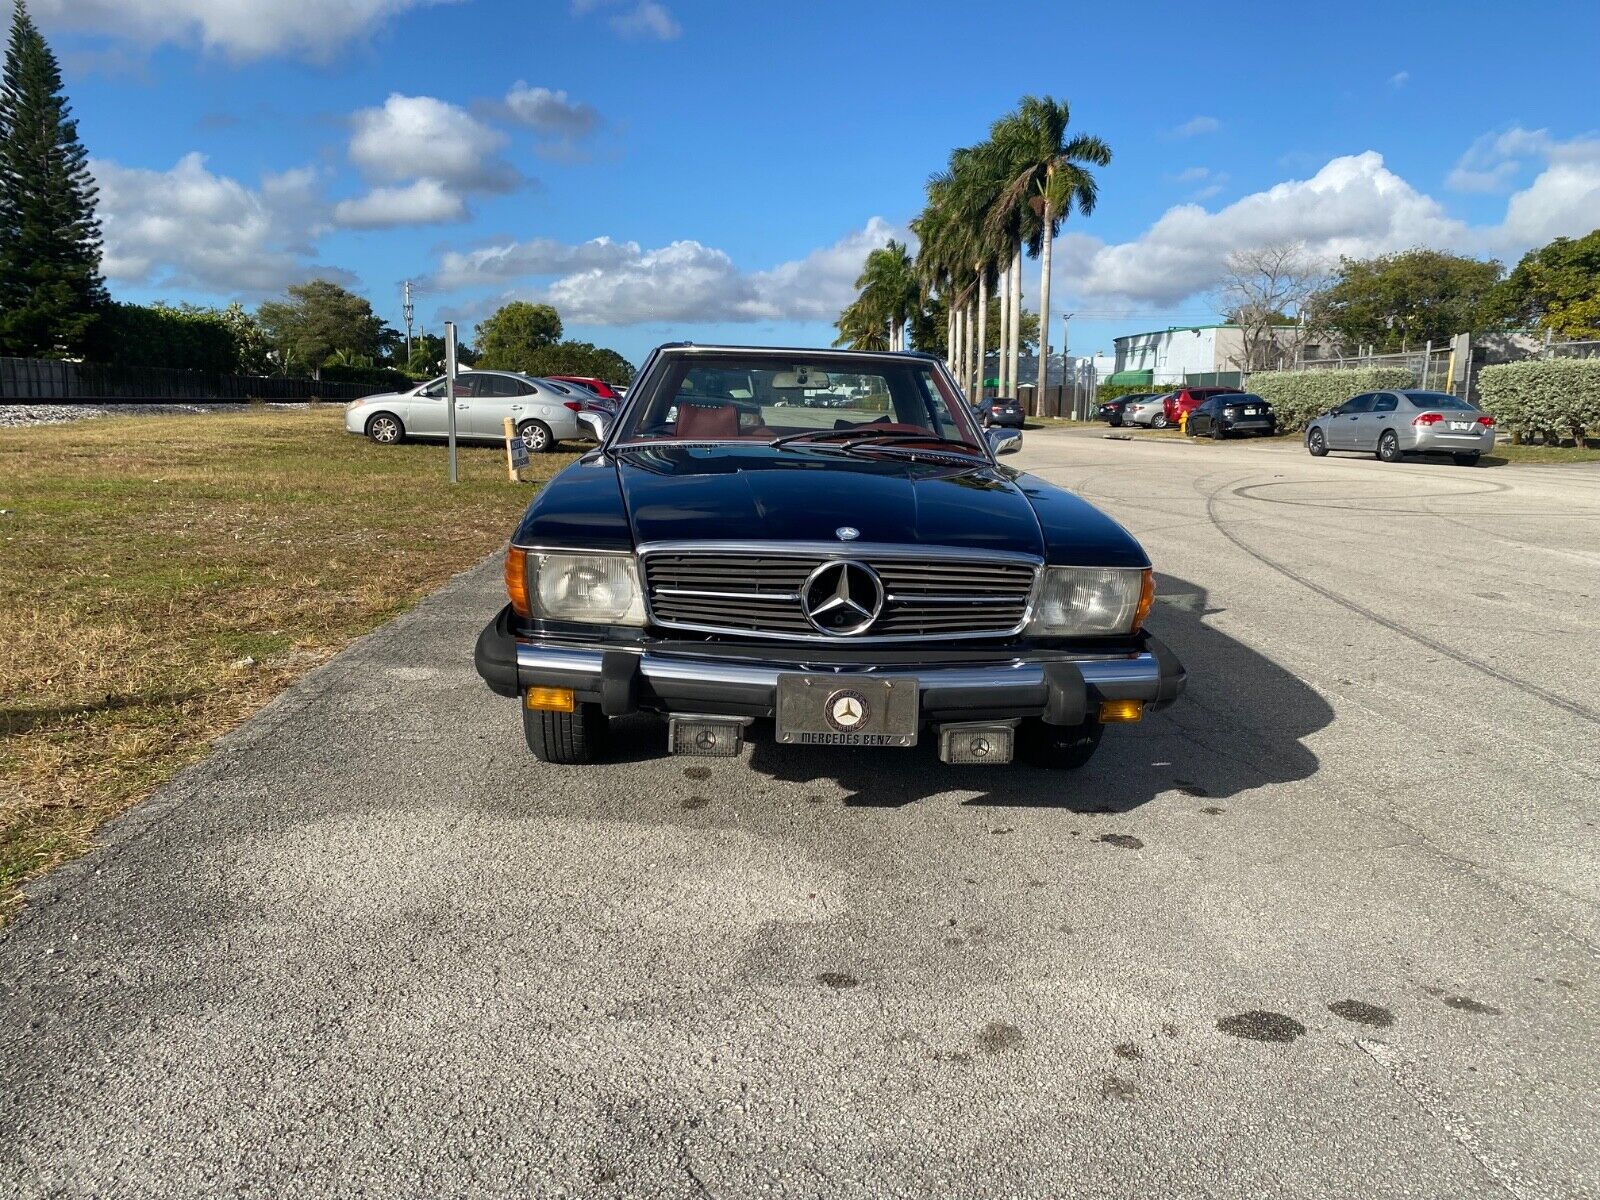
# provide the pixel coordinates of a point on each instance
(811, 435)
(891, 439)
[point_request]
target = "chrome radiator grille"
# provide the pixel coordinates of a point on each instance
(763, 593)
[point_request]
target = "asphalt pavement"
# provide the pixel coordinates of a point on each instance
(1328, 927)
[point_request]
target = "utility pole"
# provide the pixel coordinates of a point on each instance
(1066, 360)
(409, 310)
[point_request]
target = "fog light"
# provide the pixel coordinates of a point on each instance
(1120, 710)
(547, 699)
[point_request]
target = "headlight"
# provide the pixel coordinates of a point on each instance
(1092, 601)
(599, 588)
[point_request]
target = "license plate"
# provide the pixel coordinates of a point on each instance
(1461, 425)
(1252, 412)
(846, 710)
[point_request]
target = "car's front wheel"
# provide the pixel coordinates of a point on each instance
(385, 429)
(1389, 447)
(1061, 748)
(536, 436)
(1316, 443)
(566, 738)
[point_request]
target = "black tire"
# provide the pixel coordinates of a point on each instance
(1316, 444)
(536, 436)
(1116, 420)
(1389, 447)
(1217, 432)
(1465, 459)
(1159, 421)
(386, 429)
(567, 739)
(1061, 749)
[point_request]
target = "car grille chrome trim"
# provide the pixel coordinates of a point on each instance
(755, 589)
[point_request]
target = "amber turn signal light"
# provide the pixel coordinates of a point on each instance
(1147, 597)
(547, 699)
(517, 580)
(1120, 710)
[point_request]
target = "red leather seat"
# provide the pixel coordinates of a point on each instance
(709, 421)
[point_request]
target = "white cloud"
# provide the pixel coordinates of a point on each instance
(514, 261)
(1353, 206)
(419, 137)
(425, 157)
(1399, 79)
(1192, 174)
(641, 19)
(190, 228)
(240, 29)
(420, 202)
(603, 282)
(1195, 126)
(550, 112)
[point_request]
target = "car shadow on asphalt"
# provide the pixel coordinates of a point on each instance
(1241, 724)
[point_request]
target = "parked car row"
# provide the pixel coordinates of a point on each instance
(543, 411)
(1389, 424)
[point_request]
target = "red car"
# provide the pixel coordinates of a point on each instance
(1187, 399)
(598, 386)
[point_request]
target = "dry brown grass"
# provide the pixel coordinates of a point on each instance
(145, 562)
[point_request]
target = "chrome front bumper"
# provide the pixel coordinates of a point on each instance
(1057, 686)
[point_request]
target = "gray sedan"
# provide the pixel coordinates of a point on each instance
(543, 412)
(1410, 421)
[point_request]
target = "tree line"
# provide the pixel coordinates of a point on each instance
(54, 303)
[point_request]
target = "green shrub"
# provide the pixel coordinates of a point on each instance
(1554, 397)
(1298, 396)
(1110, 391)
(395, 381)
(156, 335)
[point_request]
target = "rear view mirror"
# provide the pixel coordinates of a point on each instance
(1002, 440)
(798, 379)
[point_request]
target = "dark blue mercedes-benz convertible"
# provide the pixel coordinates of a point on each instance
(824, 539)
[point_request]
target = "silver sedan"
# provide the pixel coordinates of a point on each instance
(542, 411)
(1151, 413)
(1409, 421)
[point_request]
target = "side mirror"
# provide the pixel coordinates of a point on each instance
(1002, 440)
(598, 424)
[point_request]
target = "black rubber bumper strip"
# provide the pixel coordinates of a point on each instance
(1173, 675)
(495, 655)
(1066, 694)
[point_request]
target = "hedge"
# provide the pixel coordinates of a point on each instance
(1298, 396)
(1110, 391)
(1554, 397)
(397, 381)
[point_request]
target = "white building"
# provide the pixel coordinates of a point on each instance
(1178, 354)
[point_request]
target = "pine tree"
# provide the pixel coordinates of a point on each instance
(51, 292)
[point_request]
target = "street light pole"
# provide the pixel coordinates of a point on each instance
(409, 310)
(450, 392)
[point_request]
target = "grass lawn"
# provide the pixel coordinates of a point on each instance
(1506, 452)
(163, 577)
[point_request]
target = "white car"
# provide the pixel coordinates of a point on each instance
(1151, 413)
(543, 412)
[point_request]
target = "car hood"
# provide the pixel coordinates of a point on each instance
(756, 494)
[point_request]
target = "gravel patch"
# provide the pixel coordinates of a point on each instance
(16, 415)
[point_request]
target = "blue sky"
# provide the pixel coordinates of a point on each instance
(666, 169)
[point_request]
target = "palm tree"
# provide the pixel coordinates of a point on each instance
(889, 289)
(860, 329)
(1048, 178)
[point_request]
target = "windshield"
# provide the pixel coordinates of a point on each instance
(762, 398)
